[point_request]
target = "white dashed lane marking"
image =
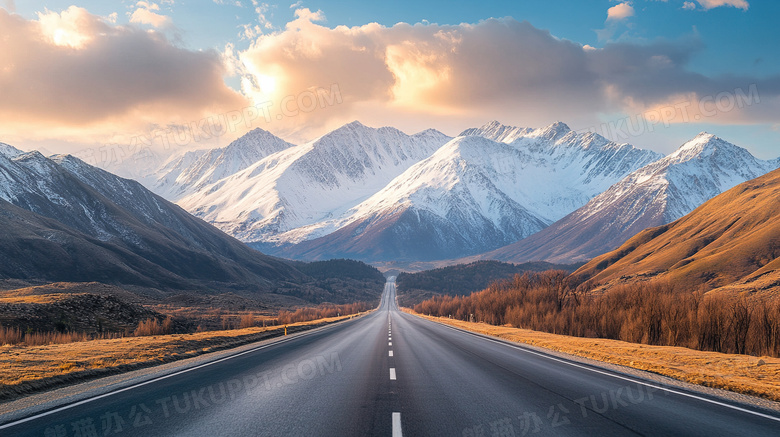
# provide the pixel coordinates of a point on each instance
(397, 425)
(389, 353)
(392, 373)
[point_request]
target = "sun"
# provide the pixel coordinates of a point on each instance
(267, 84)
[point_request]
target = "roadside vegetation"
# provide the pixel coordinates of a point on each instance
(321, 312)
(651, 313)
(27, 368)
(463, 279)
(193, 322)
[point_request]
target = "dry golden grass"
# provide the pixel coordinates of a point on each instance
(27, 369)
(738, 373)
(43, 298)
(728, 239)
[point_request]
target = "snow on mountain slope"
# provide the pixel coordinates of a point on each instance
(308, 184)
(141, 165)
(497, 132)
(654, 195)
(95, 226)
(76, 194)
(9, 151)
(165, 177)
(192, 171)
(550, 171)
(474, 194)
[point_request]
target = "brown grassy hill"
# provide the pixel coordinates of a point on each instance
(731, 241)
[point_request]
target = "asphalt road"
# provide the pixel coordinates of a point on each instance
(391, 374)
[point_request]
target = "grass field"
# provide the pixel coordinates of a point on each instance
(756, 376)
(28, 369)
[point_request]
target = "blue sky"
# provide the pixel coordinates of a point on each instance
(644, 56)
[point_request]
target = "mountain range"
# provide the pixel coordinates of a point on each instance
(474, 194)
(64, 220)
(379, 194)
(656, 194)
(501, 192)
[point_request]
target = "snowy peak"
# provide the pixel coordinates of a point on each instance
(653, 195)
(34, 161)
(356, 151)
(552, 132)
(716, 164)
(289, 195)
(9, 151)
(257, 142)
(432, 134)
(497, 132)
(704, 145)
(194, 170)
(356, 134)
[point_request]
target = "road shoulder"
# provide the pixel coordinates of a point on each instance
(706, 373)
(51, 399)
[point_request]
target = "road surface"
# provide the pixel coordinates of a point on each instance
(391, 374)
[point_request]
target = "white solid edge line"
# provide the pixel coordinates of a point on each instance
(389, 353)
(397, 425)
(636, 381)
(392, 373)
(160, 378)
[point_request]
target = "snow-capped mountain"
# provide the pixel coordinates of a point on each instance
(497, 132)
(65, 220)
(474, 194)
(654, 195)
(190, 172)
(9, 151)
(290, 195)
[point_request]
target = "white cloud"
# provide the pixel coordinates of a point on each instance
(262, 10)
(689, 6)
(145, 15)
(620, 12)
(73, 28)
(710, 4)
(148, 5)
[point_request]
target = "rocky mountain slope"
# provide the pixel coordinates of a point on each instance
(654, 195)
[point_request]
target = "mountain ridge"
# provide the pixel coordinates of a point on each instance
(474, 194)
(654, 195)
(727, 243)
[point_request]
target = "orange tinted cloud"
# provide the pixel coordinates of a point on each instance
(451, 75)
(73, 73)
(75, 76)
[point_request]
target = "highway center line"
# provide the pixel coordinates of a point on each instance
(389, 353)
(392, 374)
(397, 425)
(389, 343)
